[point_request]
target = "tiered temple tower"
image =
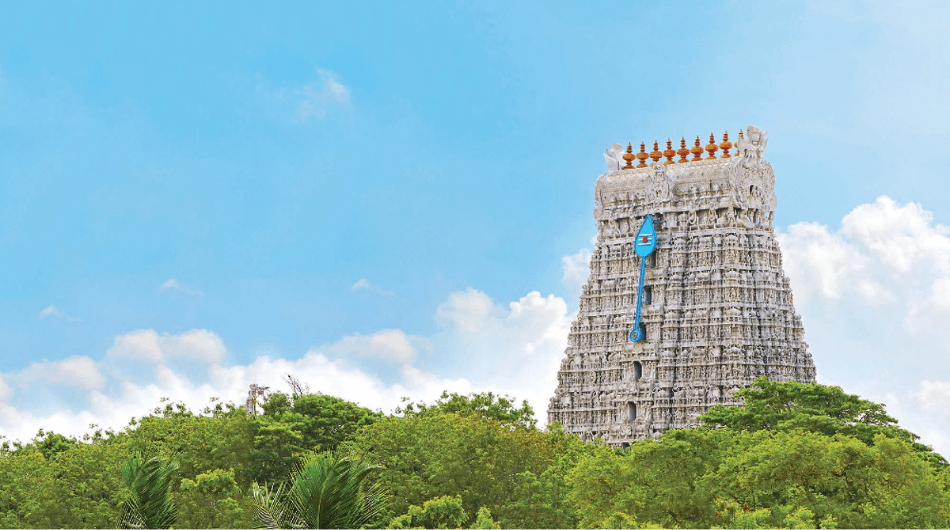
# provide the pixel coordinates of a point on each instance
(716, 307)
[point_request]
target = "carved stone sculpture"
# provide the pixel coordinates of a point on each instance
(614, 158)
(717, 306)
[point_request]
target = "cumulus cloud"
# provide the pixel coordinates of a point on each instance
(174, 285)
(470, 311)
(515, 349)
(5, 391)
(576, 269)
(78, 372)
(512, 348)
(391, 344)
(934, 396)
(827, 260)
(852, 288)
(113, 410)
(148, 345)
(874, 296)
(901, 237)
(883, 252)
(365, 285)
(53, 311)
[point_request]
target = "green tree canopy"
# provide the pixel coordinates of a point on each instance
(150, 504)
(294, 426)
(777, 478)
(325, 492)
(214, 500)
(502, 409)
(434, 453)
(793, 456)
(443, 512)
(814, 408)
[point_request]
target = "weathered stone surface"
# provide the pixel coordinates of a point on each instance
(720, 307)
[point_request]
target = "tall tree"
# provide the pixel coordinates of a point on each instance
(214, 500)
(294, 426)
(503, 409)
(689, 477)
(823, 409)
(437, 453)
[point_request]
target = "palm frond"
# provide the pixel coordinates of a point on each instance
(336, 493)
(150, 504)
(271, 508)
(327, 492)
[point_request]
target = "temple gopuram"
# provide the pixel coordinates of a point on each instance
(686, 301)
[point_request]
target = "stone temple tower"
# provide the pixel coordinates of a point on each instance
(716, 307)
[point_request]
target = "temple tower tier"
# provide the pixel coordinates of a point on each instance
(716, 307)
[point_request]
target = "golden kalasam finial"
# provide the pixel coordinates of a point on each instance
(629, 157)
(726, 145)
(669, 153)
(683, 151)
(656, 155)
(697, 151)
(711, 147)
(642, 155)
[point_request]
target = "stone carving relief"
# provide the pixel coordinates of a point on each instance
(720, 312)
(614, 158)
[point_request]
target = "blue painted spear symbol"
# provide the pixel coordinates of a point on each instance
(644, 246)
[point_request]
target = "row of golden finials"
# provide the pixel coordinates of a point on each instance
(683, 152)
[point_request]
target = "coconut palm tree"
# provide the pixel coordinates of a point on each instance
(325, 492)
(149, 504)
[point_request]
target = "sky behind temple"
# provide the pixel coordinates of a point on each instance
(392, 200)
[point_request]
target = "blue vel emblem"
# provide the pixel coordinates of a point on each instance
(645, 245)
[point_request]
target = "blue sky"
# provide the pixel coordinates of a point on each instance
(391, 199)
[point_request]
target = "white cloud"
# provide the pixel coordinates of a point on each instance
(314, 99)
(5, 391)
(883, 252)
(53, 311)
(141, 344)
(514, 350)
(113, 410)
(900, 237)
(827, 260)
(174, 285)
(148, 345)
(390, 344)
(78, 372)
(576, 269)
(875, 299)
(470, 311)
(364, 284)
(852, 288)
(198, 344)
(934, 396)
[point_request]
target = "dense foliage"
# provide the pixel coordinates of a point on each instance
(325, 492)
(149, 504)
(794, 456)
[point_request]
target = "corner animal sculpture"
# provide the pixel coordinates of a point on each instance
(646, 244)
